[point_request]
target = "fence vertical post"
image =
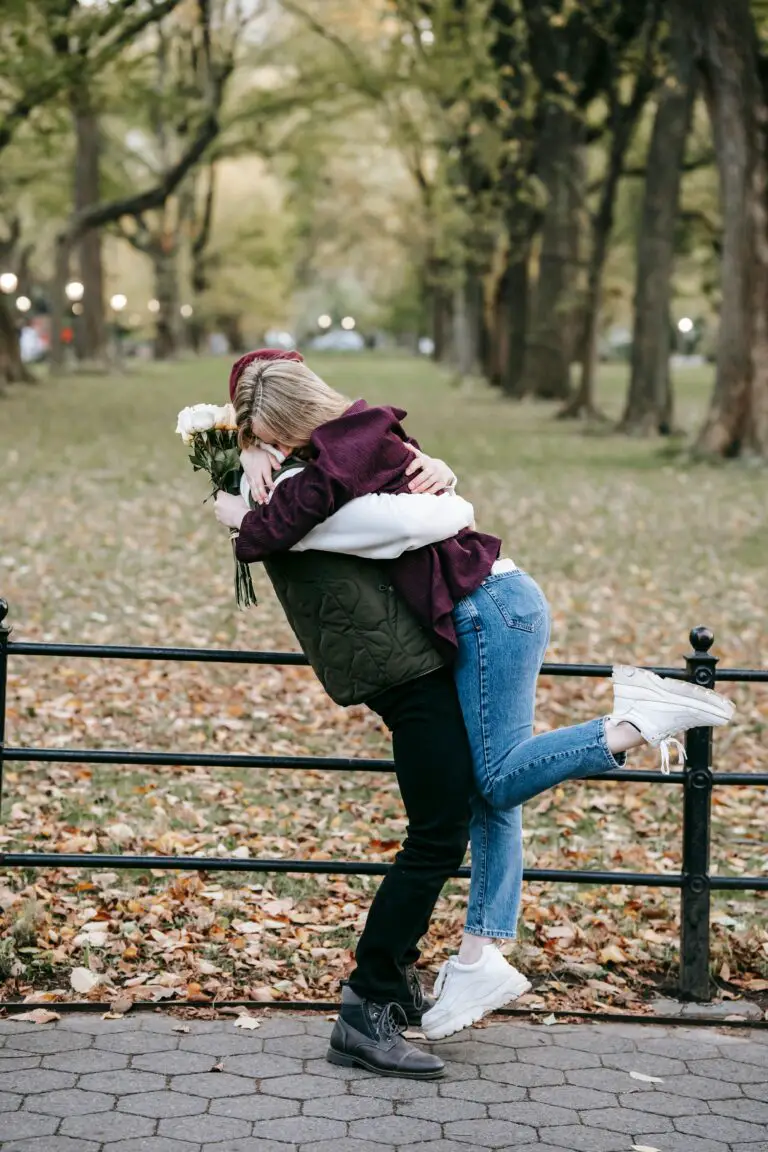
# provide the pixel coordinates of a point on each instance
(697, 812)
(5, 632)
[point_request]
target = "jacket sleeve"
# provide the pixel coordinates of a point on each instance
(382, 527)
(292, 512)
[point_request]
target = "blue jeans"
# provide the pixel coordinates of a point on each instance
(503, 632)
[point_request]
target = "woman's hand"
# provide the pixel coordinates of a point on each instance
(434, 476)
(230, 509)
(258, 465)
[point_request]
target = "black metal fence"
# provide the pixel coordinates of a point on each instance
(695, 881)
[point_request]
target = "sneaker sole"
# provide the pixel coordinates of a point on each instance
(344, 1060)
(710, 713)
(474, 1012)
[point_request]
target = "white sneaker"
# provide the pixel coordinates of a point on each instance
(658, 707)
(467, 992)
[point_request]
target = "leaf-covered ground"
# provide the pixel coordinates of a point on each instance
(105, 539)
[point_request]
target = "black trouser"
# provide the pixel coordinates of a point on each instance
(434, 770)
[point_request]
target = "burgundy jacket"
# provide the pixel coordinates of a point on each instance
(361, 452)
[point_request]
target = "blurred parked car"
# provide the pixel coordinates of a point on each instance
(31, 344)
(338, 340)
(277, 339)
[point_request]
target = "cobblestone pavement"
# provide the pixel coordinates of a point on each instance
(138, 1085)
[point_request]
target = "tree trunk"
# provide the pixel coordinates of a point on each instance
(12, 368)
(91, 327)
(466, 317)
(737, 421)
(512, 322)
(164, 262)
(649, 400)
(548, 353)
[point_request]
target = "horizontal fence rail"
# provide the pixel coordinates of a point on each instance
(695, 881)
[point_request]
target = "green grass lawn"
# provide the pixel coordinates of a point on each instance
(105, 538)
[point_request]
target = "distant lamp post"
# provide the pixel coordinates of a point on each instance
(348, 323)
(324, 321)
(23, 303)
(8, 282)
(74, 291)
(685, 325)
(118, 302)
(153, 305)
(186, 311)
(77, 308)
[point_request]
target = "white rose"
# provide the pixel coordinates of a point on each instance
(225, 417)
(197, 418)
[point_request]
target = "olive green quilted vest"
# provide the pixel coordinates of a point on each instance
(354, 629)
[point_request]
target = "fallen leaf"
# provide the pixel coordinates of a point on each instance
(646, 1079)
(244, 1021)
(121, 1005)
(83, 980)
(218, 1067)
(180, 1028)
(551, 1019)
(36, 1016)
(644, 1148)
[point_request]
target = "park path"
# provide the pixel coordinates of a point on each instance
(138, 1084)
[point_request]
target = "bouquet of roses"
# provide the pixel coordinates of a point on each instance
(211, 432)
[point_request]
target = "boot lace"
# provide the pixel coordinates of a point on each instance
(390, 1020)
(664, 748)
(414, 988)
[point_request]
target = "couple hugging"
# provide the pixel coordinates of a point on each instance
(401, 603)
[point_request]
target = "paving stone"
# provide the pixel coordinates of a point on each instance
(607, 1080)
(644, 1062)
(302, 1047)
(602, 1042)
(106, 1126)
(454, 1070)
(270, 1026)
(677, 1142)
(753, 1053)
(755, 1111)
(348, 1144)
(526, 1075)
(731, 1070)
(12, 1026)
(204, 1129)
(723, 1128)
(482, 1091)
(661, 1103)
(92, 1024)
(753, 1091)
(248, 1144)
(512, 1036)
(18, 1125)
(534, 1113)
(153, 1144)
(398, 1130)
(489, 1133)
(87, 1060)
(162, 1022)
(584, 1139)
(136, 1042)
(723, 1008)
(51, 1144)
(12, 1063)
(703, 1088)
(255, 1107)
(261, 1065)
(677, 1047)
(301, 1129)
(335, 1071)
(469, 1051)
(35, 1080)
(441, 1108)
(121, 1082)
(9, 1101)
(573, 1096)
(173, 1063)
(556, 1057)
(437, 1146)
(222, 1044)
(162, 1104)
(393, 1089)
(626, 1120)
(50, 1040)
(302, 1086)
(359, 1107)
(72, 1102)
(211, 1084)
(321, 1026)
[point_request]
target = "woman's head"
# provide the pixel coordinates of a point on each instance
(281, 401)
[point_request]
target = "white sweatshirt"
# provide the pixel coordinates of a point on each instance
(382, 526)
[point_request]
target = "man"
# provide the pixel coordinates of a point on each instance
(366, 647)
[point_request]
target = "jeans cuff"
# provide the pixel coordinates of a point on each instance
(618, 760)
(491, 933)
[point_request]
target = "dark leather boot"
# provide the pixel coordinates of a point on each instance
(417, 1003)
(370, 1036)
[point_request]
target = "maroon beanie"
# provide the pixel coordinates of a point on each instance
(259, 354)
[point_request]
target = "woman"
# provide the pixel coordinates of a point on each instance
(485, 613)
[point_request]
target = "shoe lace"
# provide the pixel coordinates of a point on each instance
(414, 988)
(391, 1020)
(664, 748)
(441, 978)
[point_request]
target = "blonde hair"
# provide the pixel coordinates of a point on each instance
(288, 398)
